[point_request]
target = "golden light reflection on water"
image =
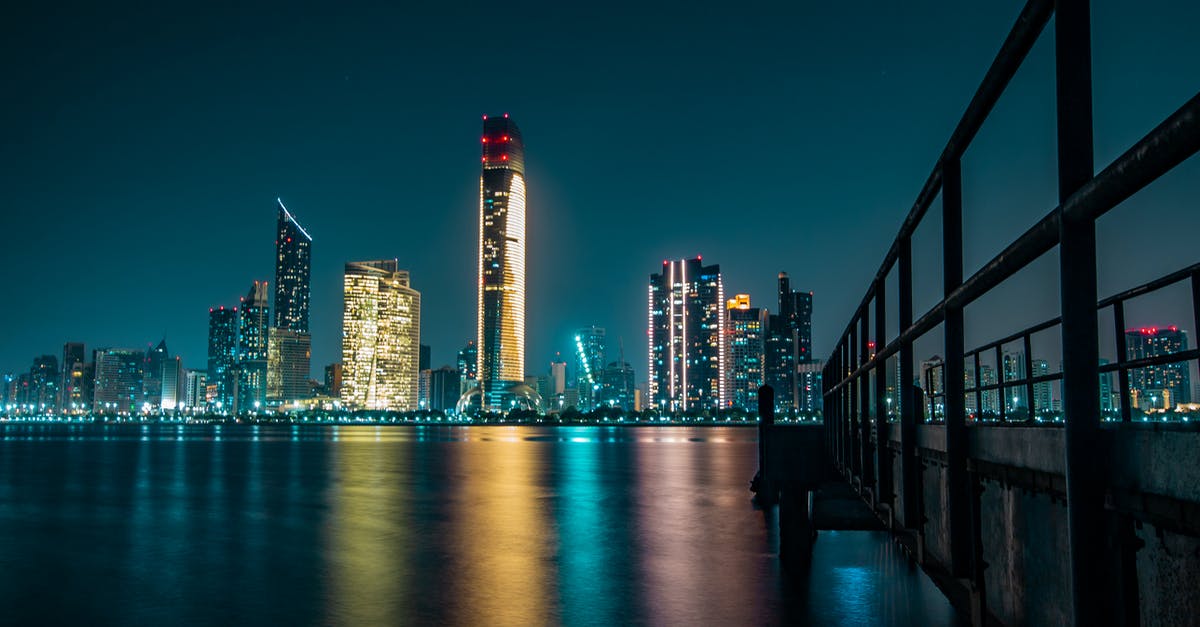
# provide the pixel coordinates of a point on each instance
(504, 531)
(367, 538)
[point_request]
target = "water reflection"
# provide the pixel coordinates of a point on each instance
(367, 537)
(453, 525)
(504, 546)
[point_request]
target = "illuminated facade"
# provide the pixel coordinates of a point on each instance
(590, 345)
(152, 378)
(118, 380)
(222, 356)
(290, 347)
(73, 359)
(688, 365)
(788, 344)
(501, 302)
(1162, 386)
(746, 330)
(253, 333)
(381, 337)
(289, 354)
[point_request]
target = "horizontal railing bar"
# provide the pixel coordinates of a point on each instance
(1163, 148)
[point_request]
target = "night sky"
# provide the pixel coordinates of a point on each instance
(144, 145)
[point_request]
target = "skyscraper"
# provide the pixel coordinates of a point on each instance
(289, 348)
(590, 345)
(43, 384)
(501, 321)
(687, 366)
(788, 343)
(745, 334)
(152, 374)
(253, 331)
(1158, 387)
(73, 357)
(333, 380)
(381, 336)
(618, 386)
(468, 362)
(222, 356)
(443, 388)
(118, 380)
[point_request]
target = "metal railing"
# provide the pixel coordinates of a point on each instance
(858, 444)
(1027, 381)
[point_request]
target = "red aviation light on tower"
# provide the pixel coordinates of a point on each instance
(485, 139)
(485, 116)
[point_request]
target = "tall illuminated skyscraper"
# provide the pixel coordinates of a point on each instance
(688, 368)
(746, 329)
(222, 356)
(253, 329)
(590, 347)
(289, 349)
(501, 322)
(381, 337)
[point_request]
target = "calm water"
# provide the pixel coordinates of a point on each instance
(167, 525)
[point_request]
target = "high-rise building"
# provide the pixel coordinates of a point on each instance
(468, 366)
(381, 333)
(618, 386)
(788, 343)
(933, 372)
(808, 386)
(73, 353)
(558, 374)
(289, 348)
(254, 322)
(79, 395)
(423, 360)
(43, 384)
(443, 388)
(501, 321)
(1015, 395)
(293, 261)
(174, 384)
(333, 380)
(590, 345)
(1041, 390)
(687, 366)
(118, 380)
(1107, 403)
(222, 356)
(195, 389)
(289, 354)
(152, 374)
(745, 335)
(1158, 387)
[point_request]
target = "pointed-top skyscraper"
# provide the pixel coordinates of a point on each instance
(501, 322)
(293, 250)
(290, 345)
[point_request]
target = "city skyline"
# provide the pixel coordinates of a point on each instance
(344, 188)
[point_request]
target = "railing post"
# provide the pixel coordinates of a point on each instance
(767, 491)
(1029, 400)
(883, 460)
(864, 397)
(910, 467)
(958, 488)
(1122, 357)
(856, 442)
(1001, 392)
(1096, 592)
(978, 392)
